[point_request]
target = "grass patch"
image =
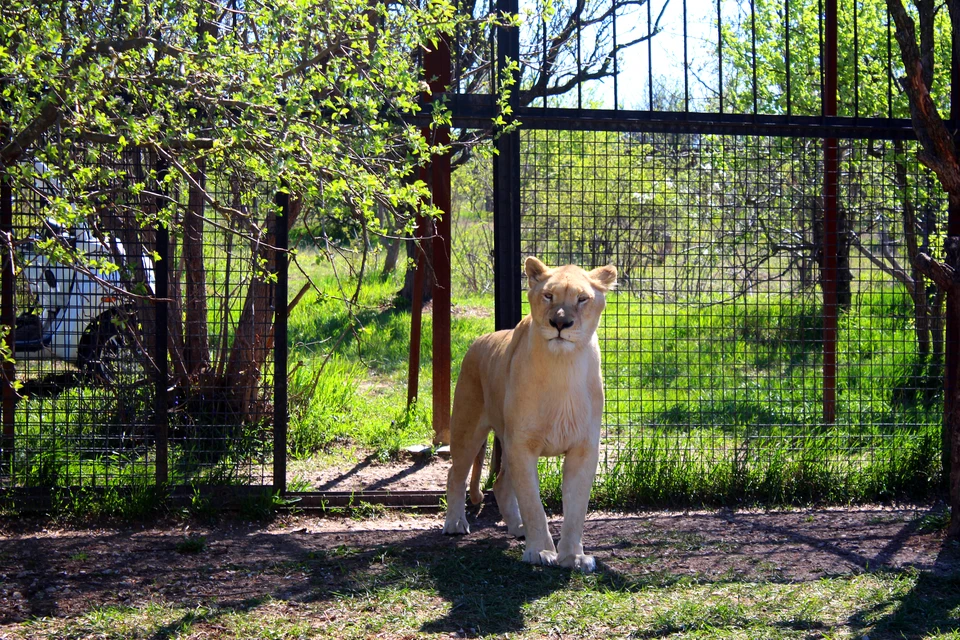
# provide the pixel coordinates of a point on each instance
(705, 403)
(483, 590)
(192, 544)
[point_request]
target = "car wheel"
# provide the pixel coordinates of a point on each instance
(111, 355)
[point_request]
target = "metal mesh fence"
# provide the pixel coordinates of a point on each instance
(120, 380)
(713, 344)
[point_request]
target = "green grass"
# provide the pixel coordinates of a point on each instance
(192, 544)
(706, 403)
(357, 397)
(483, 590)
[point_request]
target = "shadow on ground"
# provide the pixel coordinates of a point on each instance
(932, 607)
(472, 585)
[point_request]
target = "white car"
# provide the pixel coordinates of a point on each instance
(78, 315)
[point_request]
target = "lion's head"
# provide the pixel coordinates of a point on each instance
(566, 302)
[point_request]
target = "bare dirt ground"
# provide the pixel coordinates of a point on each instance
(61, 571)
(409, 473)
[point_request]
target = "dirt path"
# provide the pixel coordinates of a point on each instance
(52, 571)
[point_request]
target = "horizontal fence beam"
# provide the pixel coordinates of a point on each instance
(478, 111)
(326, 500)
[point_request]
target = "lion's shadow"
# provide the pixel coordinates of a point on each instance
(489, 587)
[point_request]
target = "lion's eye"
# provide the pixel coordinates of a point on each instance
(548, 296)
(582, 299)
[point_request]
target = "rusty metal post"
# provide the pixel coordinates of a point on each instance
(416, 309)
(437, 69)
(831, 216)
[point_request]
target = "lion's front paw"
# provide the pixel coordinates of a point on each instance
(546, 558)
(517, 531)
(580, 562)
(456, 526)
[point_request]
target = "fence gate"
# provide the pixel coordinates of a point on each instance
(761, 198)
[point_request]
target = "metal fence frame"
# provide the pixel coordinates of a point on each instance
(39, 497)
(477, 111)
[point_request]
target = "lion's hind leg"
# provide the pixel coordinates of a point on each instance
(476, 494)
(507, 503)
(463, 462)
(467, 437)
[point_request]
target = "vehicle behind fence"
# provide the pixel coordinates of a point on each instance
(142, 302)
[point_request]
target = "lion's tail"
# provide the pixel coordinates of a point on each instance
(476, 495)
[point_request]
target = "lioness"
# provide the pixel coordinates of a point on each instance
(539, 387)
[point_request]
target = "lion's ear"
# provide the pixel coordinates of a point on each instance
(605, 277)
(536, 271)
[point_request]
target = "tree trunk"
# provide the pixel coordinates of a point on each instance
(390, 259)
(951, 409)
(175, 348)
(918, 292)
(939, 153)
(253, 337)
(947, 277)
(120, 223)
(196, 346)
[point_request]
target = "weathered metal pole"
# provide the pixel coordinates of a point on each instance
(437, 68)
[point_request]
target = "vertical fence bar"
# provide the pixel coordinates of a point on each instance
(786, 54)
(506, 190)
(579, 61)
(616, 67)
(753, 51)
(416, 308)
(649, 56)
(7, 315)
(162, 280)
(856, 60)
(506, 205)
(720, 55)
(686, 63)
(830, 263)
(543, 66)
(280, 345)
(437, 68)
(890, 67)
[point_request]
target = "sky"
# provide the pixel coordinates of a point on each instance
(666, 51)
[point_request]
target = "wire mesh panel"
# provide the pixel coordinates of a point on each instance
(92, 406)
(221, 327)
(713, 344)
(84, 413)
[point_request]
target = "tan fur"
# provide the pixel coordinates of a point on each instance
(476, 495)
(539, 388)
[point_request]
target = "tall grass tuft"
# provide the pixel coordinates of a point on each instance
(664, 470)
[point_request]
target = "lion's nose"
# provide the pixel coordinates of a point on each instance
(560, 323)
